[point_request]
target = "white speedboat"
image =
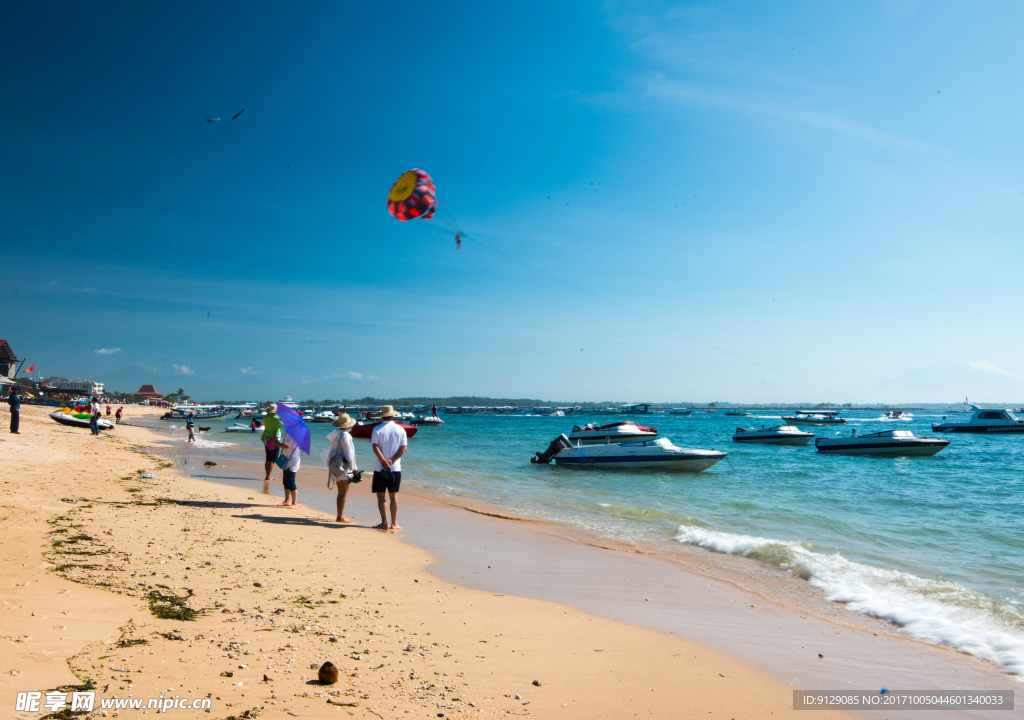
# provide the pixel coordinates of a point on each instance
(616, 432)
(427, 420)
(991, 421)
(887, 442)
(814, 417)
(894, 415)
(324, 416)
(656, 454)
(70, 418)
(778, 435)
(238, 427)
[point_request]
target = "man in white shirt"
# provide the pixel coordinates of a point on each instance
(389, 443)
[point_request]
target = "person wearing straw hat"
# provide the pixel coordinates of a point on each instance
(340, 459)
(389, 443)
(271, 438)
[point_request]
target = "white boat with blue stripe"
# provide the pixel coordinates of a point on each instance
(654, 454)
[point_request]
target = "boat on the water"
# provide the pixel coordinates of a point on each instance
(616, 432)
(894, 415)
(182, 414)
(426, 420)
(887, 442)
(238, 427)
(778, 435)
(324, 416)
(680, 411)
(814, 417)
(365, 429)
(67, 416)
(984, 420)
(737, 413)
(656, 454)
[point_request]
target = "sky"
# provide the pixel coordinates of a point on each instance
(698, 201)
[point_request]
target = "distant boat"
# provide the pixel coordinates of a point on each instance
(814, 417)
(426, 420)
(365, 429)
(888, 442)
(237, 427)
(894, 414)
(737, 413)
(680, 411)
(324, 416)
(985, 420)
(617, 432)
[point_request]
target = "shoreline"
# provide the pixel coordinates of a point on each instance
(788, 607)
(261, 580)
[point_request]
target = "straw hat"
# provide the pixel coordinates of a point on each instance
(344, 422)
(270, 407)
(386, 412)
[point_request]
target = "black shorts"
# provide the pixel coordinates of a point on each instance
(272, 454)
(380, 484)
(289, 480)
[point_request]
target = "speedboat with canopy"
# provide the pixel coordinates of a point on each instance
(992, 421)
(656, 454)
(778, 435)
(887, 442)
(616, 432)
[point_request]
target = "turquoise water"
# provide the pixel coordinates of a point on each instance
(934, 544)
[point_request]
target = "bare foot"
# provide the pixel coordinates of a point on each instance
(395, 527)
(284, 504)
(342, 519)
(382, 526)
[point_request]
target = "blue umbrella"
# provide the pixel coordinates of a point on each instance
(295, 426)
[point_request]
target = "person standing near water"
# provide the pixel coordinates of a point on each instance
(389, 444)
(290, 448)
(191, 428)
(94, 412)
(343, 447)
(117, 415)
(14, 401)
(271, 435)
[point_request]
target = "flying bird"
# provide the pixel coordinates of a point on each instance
(212, 119)
(237, 114)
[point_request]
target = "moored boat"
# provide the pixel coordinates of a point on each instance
(365, 429)
(984, 420)
(656, 454)
(887, 442)
(737, 413)
(66, 416)
(616, 432)
(238, 427)
(814, 417)
(778, 435)
(324, 416)
(426, 420)
(680, 411)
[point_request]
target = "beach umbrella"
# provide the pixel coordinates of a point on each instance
(295, 426)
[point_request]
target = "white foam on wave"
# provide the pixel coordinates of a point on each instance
(939, 611)
(200, 442)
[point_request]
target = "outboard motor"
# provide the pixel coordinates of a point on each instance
(554, 448)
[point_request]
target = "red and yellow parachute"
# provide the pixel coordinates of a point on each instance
(413, 195)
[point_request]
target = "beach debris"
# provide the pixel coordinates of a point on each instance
(256, 584)
(537, 683)
(235, 117)
(342, 703)
(413, 195)
(820, 656)
(266, 678)
(518, 696)
(209, 463)
(328, 673)
(146, 475)
(227, 673)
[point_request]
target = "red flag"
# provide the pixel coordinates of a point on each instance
(31, 368)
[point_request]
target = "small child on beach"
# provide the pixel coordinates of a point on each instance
(290, 449)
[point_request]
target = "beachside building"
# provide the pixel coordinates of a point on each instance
(83, 387)
(9, 364)
(149, 392)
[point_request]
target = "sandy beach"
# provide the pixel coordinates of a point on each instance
(173, 587)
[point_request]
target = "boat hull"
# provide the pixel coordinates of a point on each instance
(986, 429)
(900, 449)
(653, 462)
(71, 421)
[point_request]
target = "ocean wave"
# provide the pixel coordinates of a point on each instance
(936, 610)
(200, 442)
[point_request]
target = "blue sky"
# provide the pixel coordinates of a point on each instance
(693, 201)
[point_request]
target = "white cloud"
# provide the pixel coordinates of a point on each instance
(355, 375)
(146, 367)
(107, 351)
(183, 370)
(351, 376)
(250, 371)
(988, 367)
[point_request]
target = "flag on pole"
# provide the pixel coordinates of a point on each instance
(31, 368)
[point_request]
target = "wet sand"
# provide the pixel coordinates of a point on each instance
(104, 567)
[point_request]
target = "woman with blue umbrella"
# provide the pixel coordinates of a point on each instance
(296, 437)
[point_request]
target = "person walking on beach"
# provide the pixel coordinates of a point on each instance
(389, 444)
(191, 428)
(108, 411)
(117, 415)
(341, 456)
(271, 435)
(291, 490)
(94, 421)
(14, 401)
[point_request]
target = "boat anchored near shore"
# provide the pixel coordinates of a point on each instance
(656, 454)
(984, 420)
(778, 435)
(887, 442)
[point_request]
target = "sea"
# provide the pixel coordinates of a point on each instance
(934, 545)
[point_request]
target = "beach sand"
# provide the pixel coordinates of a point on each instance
(278, 592)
